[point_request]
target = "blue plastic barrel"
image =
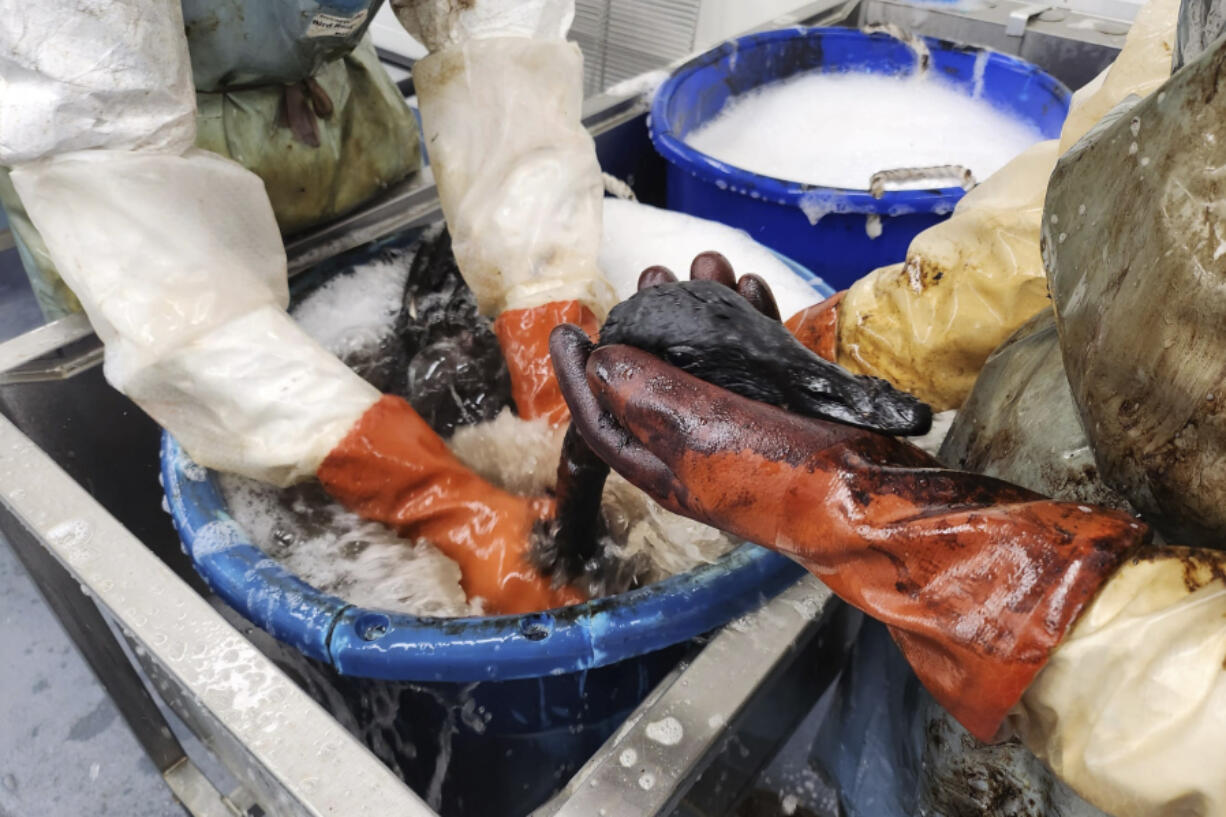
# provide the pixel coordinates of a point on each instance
(778, 212)
(512, 695)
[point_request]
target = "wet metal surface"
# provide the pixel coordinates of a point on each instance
(64, 750)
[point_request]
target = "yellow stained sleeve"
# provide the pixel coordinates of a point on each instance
(928, 324)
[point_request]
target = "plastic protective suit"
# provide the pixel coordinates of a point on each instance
(1053, 620)
(928, 324)
(176, 257)
(291, 90)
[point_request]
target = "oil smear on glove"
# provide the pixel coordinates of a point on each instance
(838, 129)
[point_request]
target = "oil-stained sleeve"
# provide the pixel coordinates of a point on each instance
(1131, 708)
(928, 324)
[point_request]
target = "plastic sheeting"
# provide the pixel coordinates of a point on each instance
(1134, 250)
(1020, 422)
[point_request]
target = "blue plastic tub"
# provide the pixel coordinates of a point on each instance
(823, 228)
(550, 687)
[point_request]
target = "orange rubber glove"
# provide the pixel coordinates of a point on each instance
(523, 335)
(391, 467)
(977, 579)
(817, 327)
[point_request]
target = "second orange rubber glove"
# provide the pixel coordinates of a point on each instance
(817, 327)
(391, 467)
(523, 335)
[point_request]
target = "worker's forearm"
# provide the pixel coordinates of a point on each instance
(516, 170)
(173, 252)
(1131, 708)
(501, 96)
(929, 324)
(111, 74)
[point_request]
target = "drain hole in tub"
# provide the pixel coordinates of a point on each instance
(373, 626)
(536, 627)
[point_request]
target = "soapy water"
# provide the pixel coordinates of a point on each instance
(838, 129)
(360, 315)
(640, 85)
(363, 562)
(645, 541)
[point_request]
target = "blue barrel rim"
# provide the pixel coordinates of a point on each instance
(782, 191)
(383, 645)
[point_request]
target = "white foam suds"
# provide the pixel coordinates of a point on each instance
(326, 546)
(522, 456)
(367, 564)
(981, 64)
(872, 225)
(355, 310)
(837, 130)
(358, 309)
(646, 84)
(217, 537)
(941, 423)
(667, 731)
(637, 236)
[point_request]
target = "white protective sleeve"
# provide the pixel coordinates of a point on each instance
(173, 252)
(1131, 708)
(501, 95)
